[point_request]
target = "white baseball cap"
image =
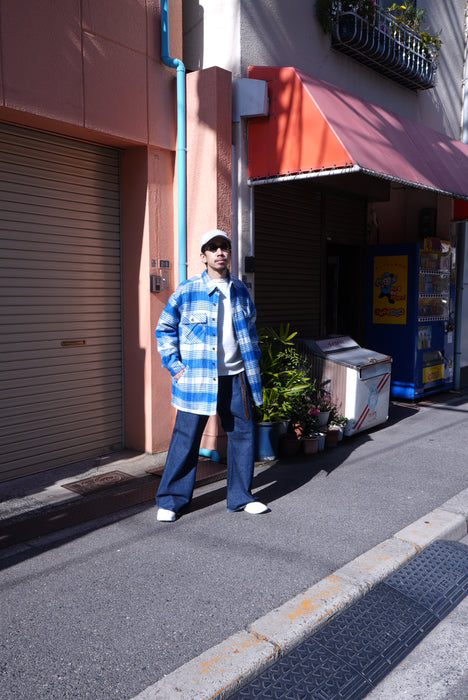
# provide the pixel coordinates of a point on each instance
(213, 233)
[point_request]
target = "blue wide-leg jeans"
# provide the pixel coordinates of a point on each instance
(178, 479)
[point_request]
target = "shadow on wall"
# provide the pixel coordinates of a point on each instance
(193, 25)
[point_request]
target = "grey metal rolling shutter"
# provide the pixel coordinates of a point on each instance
(60, 314)
(294, 223)
(288, 256)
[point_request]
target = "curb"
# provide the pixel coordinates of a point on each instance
(44, 513)
(48, 518)
(43, 517)
(225, 668)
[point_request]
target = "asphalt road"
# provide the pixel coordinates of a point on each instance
(106, 609)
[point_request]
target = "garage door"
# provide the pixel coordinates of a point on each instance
(60, 313)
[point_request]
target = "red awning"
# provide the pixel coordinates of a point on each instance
(315, 128)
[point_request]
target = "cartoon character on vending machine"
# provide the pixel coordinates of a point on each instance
(385, 284)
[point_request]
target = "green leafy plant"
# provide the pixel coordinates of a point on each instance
(409, 15)
(406, 14)
(431, 45)
(337, 418)
(306, 418)
(283, 373)
(327, 11)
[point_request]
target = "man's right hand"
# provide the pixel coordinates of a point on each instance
(179, 374)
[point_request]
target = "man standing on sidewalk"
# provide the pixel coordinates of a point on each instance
(207, 340)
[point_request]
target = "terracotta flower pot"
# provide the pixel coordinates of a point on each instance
(310, 445)
(289, 445)
(332, 436)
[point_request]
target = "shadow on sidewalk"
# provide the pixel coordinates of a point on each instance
(32, 484)
(287, 475)
(398, 412)
(271, 482)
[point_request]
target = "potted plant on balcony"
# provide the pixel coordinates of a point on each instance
(413, 17)
(391, 41)
(284, 378)
(328, 11)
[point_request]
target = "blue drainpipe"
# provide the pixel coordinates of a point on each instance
(181, 163)
(181, 148)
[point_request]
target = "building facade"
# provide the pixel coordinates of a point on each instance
(306, 210)
(97, 230)
(89, 219)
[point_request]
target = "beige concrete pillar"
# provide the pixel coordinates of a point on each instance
(209, 180)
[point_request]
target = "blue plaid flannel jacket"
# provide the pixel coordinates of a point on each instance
(187, 336)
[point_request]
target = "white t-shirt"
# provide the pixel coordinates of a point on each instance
(229, 356)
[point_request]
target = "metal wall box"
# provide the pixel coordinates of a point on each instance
(358, 378)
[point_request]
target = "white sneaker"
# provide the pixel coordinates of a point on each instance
(165, 516)
(255, 508)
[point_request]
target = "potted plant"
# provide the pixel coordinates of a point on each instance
(323, 402)
(339, 421)
(308, 425)
(284, 377)
(412, 17)
(319, 419)
(289, 443)
(332, 436)
(328, 11)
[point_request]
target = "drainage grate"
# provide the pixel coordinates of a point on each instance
(97, 483)
(438, 581)
(309, 671)
(356, 649)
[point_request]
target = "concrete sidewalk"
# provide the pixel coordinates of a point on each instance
(53, 500)
(416, 447)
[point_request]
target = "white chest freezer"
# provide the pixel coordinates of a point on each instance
(358, 379)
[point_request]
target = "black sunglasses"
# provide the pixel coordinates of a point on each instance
(213, 247)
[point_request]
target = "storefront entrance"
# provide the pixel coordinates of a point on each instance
(345, 291)
(309, 259)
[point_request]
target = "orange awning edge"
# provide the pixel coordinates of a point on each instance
(315, 128)
(296, 136)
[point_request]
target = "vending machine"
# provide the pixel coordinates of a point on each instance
(411, 313)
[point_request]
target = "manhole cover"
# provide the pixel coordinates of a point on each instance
(97, 483)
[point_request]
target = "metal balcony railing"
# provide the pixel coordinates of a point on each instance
(386, 46)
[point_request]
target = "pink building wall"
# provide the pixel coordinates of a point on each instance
(209, 181)
(209, 155)
(91, 69)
